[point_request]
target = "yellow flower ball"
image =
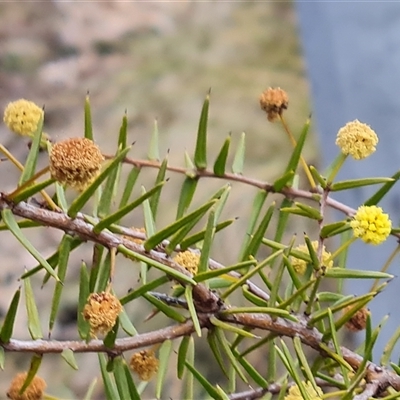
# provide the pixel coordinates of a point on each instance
(188, 260)
(144, 364)
(357, 139)
(300, 266)
(371, 224)
(101, 311)
(295, 394)
(22, 117)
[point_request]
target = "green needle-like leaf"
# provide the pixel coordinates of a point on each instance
(31, 161)
(209, 388)
(64, 251)
(149, 221)
(192, 309)
(109, 192)
(255, 241)
(134, 294)
(34, 327)
(120, 378)
(10, 221)
(199, 236)
(223, 341)
(123, 132)
(186, 196)
(355, 183)
(340, 273)
(200, 153)
(133, 392)
(170, 312)
(88, 119)
(9, 320)
(157, 238)
(69, 357)
(166, 269)
(88, 193)
(318, 177)
(216, 350)
(113, 218)
(208, 239)
(238, 161)
(83, 325)
(36, 360)
(164, 356)
(334, 229)
(378, 196)
(285, 180)
(32, 190)
(129, 185)
(296, 155)
(220, 162)
(126, 324)
(256, 208)
(206, 275)
(182, 352)
(110, 389)
(154, 148)
(228, 327)
(155, 199)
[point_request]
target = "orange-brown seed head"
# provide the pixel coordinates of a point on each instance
(101, 311)
(75, 162)
(34, 391)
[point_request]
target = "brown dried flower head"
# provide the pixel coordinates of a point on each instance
(101, 311)
(144, 364)
(358, 321)
(188, 260)
(22, 117)
(34, 391)
(273, 101)
(75, 162)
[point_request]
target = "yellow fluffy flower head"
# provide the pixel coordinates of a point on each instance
(22, 117)
(300, 266)
(101, 310)
(357, 139)
(34, 391)
(144, 364)
(295, 394)
(371, 224)
(75, 162)
(188, 260)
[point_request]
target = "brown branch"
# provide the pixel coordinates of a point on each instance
(313, 338)
(97, 346)
(288, 192)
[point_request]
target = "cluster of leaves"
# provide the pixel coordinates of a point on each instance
(283, 303)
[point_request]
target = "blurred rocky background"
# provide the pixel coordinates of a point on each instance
(157, 60)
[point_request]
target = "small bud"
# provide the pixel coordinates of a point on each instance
(188, 260)
(144, 364)
(75, 162)
(273, 101)
(22, 117)
(357, 139)
(358, 321)
(34, 391)
(101, 311)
